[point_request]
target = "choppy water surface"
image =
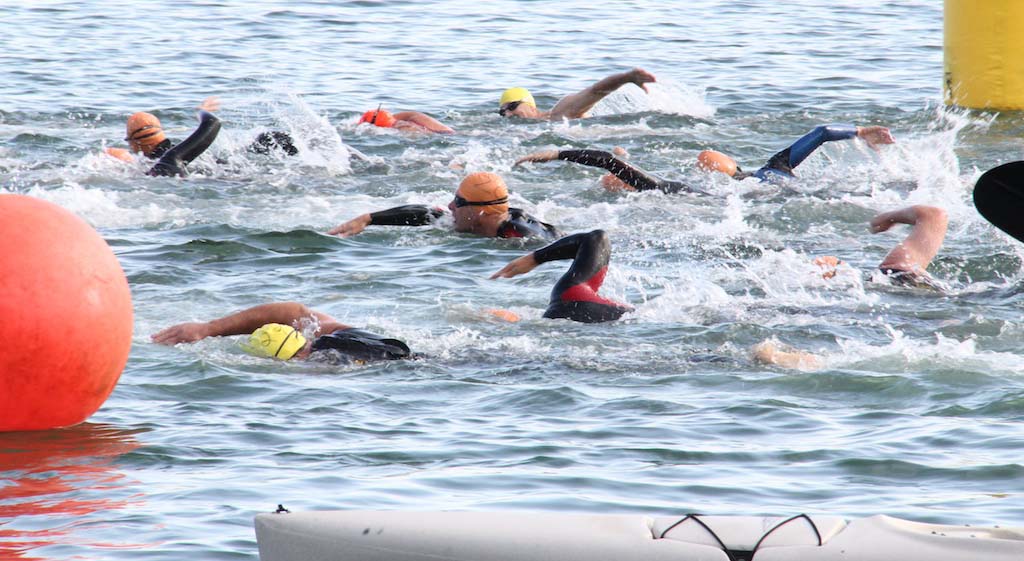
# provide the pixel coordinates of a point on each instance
(917, 413)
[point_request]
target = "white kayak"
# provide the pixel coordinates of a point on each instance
(517, 536)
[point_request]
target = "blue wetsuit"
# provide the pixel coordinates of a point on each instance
(779, 167)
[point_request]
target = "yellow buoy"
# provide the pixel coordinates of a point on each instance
(984, 54)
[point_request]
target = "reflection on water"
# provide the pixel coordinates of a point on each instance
(52, 481)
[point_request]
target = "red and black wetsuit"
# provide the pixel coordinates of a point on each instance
(519, 224)
(173, 160)
(575, 294)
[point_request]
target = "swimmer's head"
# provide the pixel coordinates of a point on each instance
(275, 340)
(378, 117)
(710, 160)
(512, 98)
(485, 191)
(144, 132)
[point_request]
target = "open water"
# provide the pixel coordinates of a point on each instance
(918, 412)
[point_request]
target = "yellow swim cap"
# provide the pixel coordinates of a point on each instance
(275, 340)
(517, 94)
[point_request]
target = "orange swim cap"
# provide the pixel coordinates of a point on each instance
(485, 187)
(144, 132)
(378, 117)
(504, 315)
(709, 160)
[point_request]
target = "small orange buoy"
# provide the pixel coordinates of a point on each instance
(66, 317)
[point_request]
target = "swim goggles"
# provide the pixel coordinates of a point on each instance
(134, 136)
(508, 107)
(461, 202)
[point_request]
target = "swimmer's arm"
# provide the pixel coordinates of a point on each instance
(407, 215)
(915, 252)
(171, 162)
(425, 121)
(244, 322)
(874, 136)
(565, 248)
(576, 105)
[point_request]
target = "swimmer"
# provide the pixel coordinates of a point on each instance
(276, 331)
(779, 167)
(517, 102)
(145, 135)
(575, 295)
(480, 207)
(905, 264)
(411, 121)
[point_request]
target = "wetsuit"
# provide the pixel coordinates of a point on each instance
(632, 176)
(519, 224)
(780, 166)
(575, 294)
(266, 142)
(173, 160)
(356, 345)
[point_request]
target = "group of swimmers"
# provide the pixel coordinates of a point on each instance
(480, 206)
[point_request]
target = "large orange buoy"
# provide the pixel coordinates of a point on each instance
(65, 316)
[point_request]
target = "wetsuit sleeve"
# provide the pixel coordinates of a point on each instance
(630, 175)
(173, 162)
(597, 251)
(408, 215)
(808, 143)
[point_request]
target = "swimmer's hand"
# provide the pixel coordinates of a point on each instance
(352, 227)
(641, 78)
(182, 333)
(875, 136)
(518, 266)
(882, 222)
(542, 156)
(210, 104)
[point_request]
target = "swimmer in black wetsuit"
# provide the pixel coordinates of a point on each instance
(779, 167)
(575, 295)
(480, 207)
(277, 332)
(145, 135)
